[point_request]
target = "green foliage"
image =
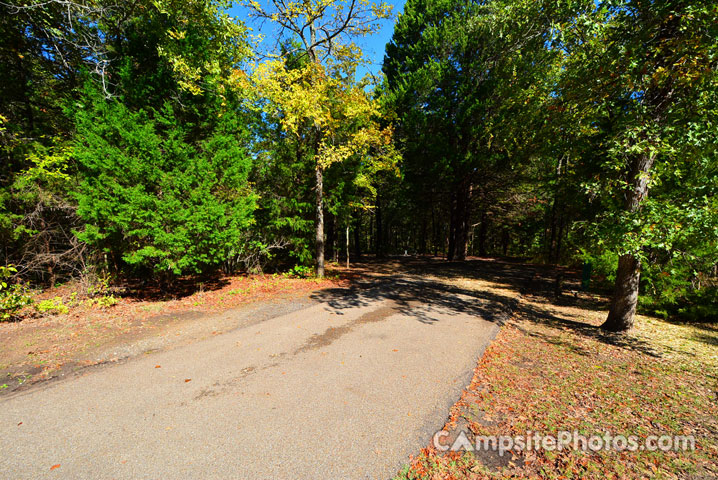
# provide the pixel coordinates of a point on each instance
(167, 62)
(99, 285)
(41, 55)
(153, 198)
(640, 79)
(466, 99)
(132, 140)
(300, 271)
(285, 209)
(527, 122)
(13, 297)
(106, 301)
(603, 264)
(53, 305)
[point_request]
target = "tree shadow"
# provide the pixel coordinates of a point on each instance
(707, 339)
(403, 280)
(416, 296)
(545, 316)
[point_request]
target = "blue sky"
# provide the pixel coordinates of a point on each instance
(373, 45)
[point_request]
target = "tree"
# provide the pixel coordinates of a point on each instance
(646, 73)
(324, 30)
(145, 55)
(41, 54)
(163, 162)
(152, 200)
(466, 81)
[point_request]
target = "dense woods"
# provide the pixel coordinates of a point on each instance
(158, 139)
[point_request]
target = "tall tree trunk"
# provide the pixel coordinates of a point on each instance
(552, 235)
(559, 239)
(467, 219)
(378, 240)
(347, 245)
(461, 227)
(483, 230)
(331, 237)
(434, 232)
(452, 230)
(422, 236)
(554, 245)
(625, 295)
(319, 238)
(319, 172)
(357, 237)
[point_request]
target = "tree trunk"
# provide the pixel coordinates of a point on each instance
(319, 171)
(422, 236)
(347, 246)
(332, 234)
(559, 239)
(434, 232)
(467, 219)
(452, 230)
(320, 222)
(461, 227)
(625, 295)
(552, 235)
(357, 238)
(483, 230)
(378, 240)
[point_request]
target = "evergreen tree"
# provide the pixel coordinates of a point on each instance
(153, 200)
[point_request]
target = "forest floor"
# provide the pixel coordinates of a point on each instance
(551, 370)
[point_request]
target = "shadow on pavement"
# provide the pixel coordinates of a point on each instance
(418, 285)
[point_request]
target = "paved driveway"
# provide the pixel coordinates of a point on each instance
(346, 387)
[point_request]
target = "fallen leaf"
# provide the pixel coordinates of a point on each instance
(54, 467)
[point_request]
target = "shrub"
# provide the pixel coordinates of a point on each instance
(52, 305)
(13, 297)
(155, 194)
(106, 301)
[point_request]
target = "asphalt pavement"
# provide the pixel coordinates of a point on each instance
(346, 387)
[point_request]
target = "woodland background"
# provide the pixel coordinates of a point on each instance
(158, 139)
